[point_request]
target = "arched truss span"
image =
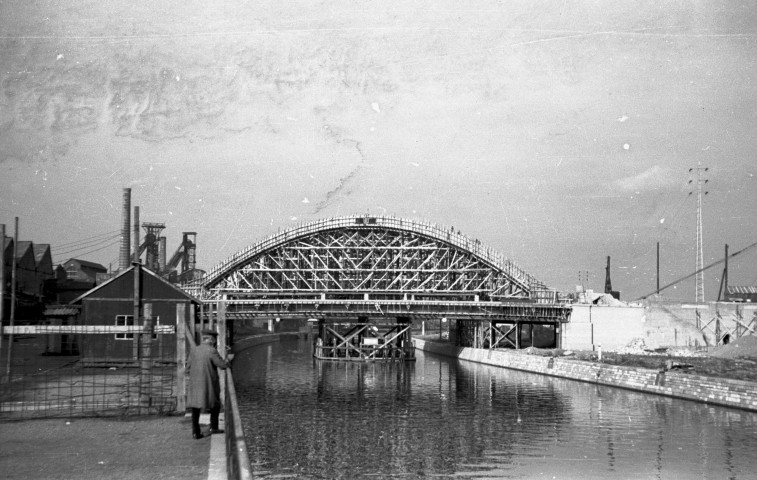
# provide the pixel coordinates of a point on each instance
(384, 257)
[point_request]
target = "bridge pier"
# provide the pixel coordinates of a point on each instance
(364, 339)
(513, 334)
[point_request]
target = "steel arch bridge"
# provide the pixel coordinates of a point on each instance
(368, 255)
(364, 279)
(376, 266)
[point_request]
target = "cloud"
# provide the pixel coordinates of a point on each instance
(652, 178)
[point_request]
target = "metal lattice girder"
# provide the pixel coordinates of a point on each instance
(499, 335)
(370, 255)
(318, 308)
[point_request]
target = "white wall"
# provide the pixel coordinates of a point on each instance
(608, 326)
(658, 324)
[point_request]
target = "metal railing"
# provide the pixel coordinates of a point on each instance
(237, 458)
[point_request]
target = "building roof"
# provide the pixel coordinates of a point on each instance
(40, 249)
(22, 247)
(86, 263)
(145, 271)
(741, 289)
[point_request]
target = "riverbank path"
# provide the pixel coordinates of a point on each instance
(117, 448)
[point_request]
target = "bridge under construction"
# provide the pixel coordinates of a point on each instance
(364, 280)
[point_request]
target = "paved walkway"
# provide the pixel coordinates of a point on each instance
(118, 448)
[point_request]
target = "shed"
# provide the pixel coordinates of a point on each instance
(111, 304)
(60, 343)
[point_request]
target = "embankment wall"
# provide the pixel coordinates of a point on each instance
(251, 341)
(659, 324)
(718, 391)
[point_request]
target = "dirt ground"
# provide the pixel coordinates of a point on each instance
(159, 448)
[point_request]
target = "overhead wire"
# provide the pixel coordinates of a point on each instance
(86, 240)
(84, 246)
(92, 250)
(722, 260)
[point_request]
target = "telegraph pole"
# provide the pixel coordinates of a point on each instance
(700, 243)
(2, 282)
(658, 268)
(14, 265)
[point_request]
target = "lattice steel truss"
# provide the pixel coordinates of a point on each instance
(385, 257)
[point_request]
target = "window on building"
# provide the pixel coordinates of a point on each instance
(155, 324)
(124, 321)
(128, 321)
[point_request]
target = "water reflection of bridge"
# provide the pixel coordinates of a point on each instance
(359, 277)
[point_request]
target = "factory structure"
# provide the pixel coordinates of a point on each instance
(180, 267)
(37, 287)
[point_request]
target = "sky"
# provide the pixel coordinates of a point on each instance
(556, 132)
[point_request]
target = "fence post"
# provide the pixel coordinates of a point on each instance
(145, 371)
(181, 357)
(14, 266)
(221, 319)
(191, 320)
(2, 283)
(201, 326)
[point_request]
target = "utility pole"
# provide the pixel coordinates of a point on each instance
(2, 282)
(14, 265)
(658, 268)
(700, 243)
(725, 273)
(137, 285)
(723, 292)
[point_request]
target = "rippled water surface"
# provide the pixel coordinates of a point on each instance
(444, 418)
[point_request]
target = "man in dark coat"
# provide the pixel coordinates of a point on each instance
(204, 387)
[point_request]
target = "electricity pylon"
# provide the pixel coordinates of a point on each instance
(700, 243)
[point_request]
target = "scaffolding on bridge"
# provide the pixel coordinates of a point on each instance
(358, 271)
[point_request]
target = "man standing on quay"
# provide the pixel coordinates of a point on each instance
(204, 387)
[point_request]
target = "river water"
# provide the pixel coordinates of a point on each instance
(445, 418)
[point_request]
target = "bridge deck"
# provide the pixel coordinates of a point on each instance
(311, 308)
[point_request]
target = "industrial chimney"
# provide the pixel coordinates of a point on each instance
(608, 282)
(124, 259)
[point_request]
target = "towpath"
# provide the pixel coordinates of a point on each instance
(117, 448)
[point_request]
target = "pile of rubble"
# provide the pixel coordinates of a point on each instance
(639, 347)
(635, 347)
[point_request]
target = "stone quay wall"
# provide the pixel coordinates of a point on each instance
(247, 342)
(716, 391)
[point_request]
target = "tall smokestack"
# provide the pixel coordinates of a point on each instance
(608, 282)
(124, 259)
